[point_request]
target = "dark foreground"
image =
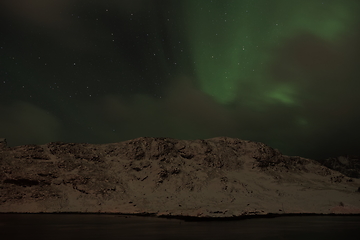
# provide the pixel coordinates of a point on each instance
(95, 226)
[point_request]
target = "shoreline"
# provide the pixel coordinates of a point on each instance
(192, 218)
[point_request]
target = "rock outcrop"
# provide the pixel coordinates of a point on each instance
(3, 143)
(348, 165)
(219, 177)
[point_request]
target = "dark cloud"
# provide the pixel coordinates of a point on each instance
(327, 81)
(25, 123)
(49, 13)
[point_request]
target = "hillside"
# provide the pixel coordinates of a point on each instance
(219, 177)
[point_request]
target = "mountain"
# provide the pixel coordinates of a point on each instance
(218, 177)
(348, 165)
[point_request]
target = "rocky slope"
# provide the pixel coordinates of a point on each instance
(348, 165)
(219, 177)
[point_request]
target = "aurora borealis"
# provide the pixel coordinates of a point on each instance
(281, 72)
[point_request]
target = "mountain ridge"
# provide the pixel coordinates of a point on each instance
(217, 177)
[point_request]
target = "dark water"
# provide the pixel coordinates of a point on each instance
(80, 226)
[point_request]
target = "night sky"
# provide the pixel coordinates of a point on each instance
(282, 72)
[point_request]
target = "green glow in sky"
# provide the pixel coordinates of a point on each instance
(232, 46)
(282, 72)
(283, 94)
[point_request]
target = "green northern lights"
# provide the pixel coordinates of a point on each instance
(280, 72)
(232, 40)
